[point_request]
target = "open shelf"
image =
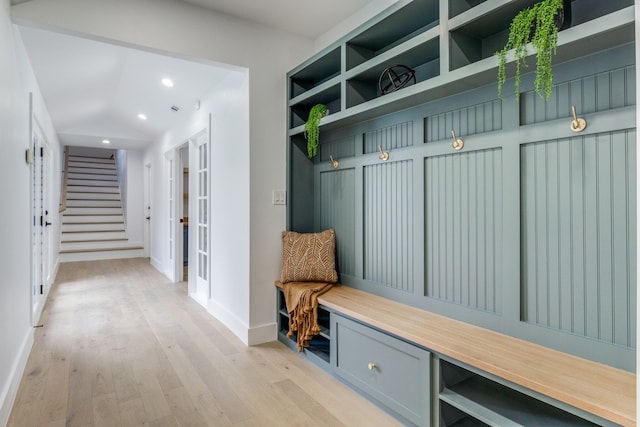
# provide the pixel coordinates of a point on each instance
(476, 35)
(497, 404)
(450, 416)
(319, 348)
(322, 69)
(456, 7)
(414, 18)
(423, 58)
(329, 96)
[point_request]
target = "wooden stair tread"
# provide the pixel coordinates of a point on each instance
(94, 231)
(115, 239)
(118, 248)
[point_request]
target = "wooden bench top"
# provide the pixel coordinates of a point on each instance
(602, 390)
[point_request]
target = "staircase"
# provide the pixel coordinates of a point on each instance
(93, 225)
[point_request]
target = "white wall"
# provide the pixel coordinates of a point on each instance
(134, 197)
(228, 107)
(248, 259)
(123, 178)
(191, 32)
(16, 81)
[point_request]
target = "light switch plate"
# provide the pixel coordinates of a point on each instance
(279, 197)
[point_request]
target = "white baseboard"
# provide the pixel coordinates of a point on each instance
(10, 389)
(199, 299)
(155, 262)
(263, 333)
(229, 320)
(250, 336)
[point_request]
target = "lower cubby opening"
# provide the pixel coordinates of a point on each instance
(319, 348)
(486, 401)
(451, 416)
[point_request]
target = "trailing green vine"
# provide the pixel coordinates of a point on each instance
(312, 128)
(537, 25)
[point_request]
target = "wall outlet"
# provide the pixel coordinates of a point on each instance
(279, 197)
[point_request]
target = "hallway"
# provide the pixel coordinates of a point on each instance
(122, 346)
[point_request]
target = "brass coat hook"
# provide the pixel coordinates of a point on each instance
(334, 163)
(457, 143)
(578, 124)
(384, 155)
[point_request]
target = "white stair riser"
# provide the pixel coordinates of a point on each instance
(113, 190)
(102, 203)
(91, 176)
(91, 218)
(92, 183)
(92, 235)
(92, 256)
(90, 202)
(101, 166)
(72, 211)
(90, 160)
(96, 172)
(91, 227)
(93, 197)
(93, 245)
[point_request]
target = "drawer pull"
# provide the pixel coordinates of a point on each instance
(371, 366)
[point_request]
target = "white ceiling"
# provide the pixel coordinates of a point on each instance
(307, 18)
(94, 90)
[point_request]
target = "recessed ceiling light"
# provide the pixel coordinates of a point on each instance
(167, 82)
(106, 141)
(142, 116)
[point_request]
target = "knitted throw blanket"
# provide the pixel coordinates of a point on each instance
(302, 304)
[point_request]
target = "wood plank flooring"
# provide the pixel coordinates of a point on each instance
(122, 346)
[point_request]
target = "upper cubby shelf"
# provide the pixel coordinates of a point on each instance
(447, 58)
(479, 32)
(317, 72)
(402, 25)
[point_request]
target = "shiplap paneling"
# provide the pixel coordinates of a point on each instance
(338, 148)
(600, 92)
(475, 119)
(388, 224)
(390, 137)
(578, 208)
(463, 232)
(337, 211)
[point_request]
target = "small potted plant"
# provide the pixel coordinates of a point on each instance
(312, 128)
(538, 25)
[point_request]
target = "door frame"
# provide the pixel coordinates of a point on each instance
(41, 210)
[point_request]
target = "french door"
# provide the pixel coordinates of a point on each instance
(199, 213)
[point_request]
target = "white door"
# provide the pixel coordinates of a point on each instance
(171, 224)
(40, 258)
(199, 218)
(147, 207)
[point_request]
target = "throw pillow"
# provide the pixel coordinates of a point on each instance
(309, 257)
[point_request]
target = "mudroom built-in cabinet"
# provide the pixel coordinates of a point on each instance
(528, 230)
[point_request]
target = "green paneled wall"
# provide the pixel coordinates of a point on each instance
(528, 230)
(388, 224)
(463, 233)
(578, 203)
(337, 211)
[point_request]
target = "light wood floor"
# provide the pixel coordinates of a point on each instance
(122, 346)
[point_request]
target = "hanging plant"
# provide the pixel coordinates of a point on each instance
(538, 25)
(312, 128)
